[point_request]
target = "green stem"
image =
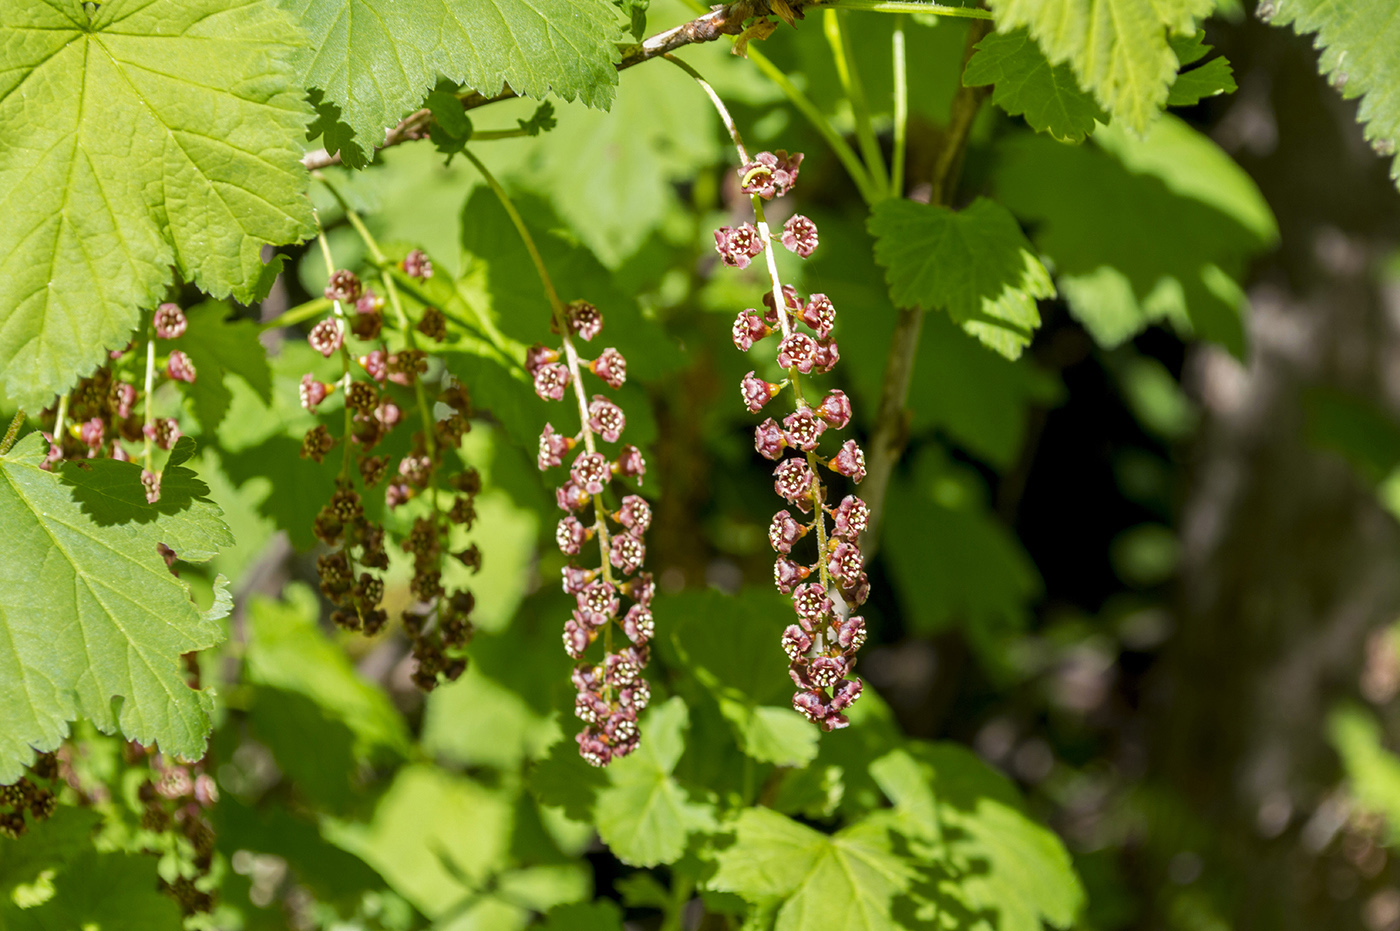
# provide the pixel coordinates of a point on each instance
(298, 314)
(487, 135)
(901, 109)
(683, 887)
(13, 433)
(58, 421)
(844, 153)
(908, 6)
(148, 451)
(344, 354)
(571, 357)
(833, 23)
(724, 116)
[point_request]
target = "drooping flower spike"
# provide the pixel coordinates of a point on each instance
(827, 585)
(612, 594)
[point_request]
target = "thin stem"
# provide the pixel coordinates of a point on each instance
(890, 434)
(344, 354)
(844, 153)
(901, 109)
(298, 314)
(908, 6)
(13, 433)
(571, 357)
(59, 419)
(724, 116)
(487, 135)
(833, 22)
(148, 451)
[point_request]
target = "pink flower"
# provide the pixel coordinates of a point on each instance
(606, 419)
(638, 625)
(598, 597)
(551, 380)
(835, 409)
(577, 637)
(787, 573)
(627, 552)
(793, 481)
(326, 337)
(803, 429)
(571, 535)
(641, 589)
(798, 351)
(575, 578)
(738, 245)
(343, 286)
(748, 329)
(538, 356)
(845, 693)
(179, 367)
(630, 463)
(852, 515)
(811, 603)
(571, 497)
(417, 265)
(800, 235)
(784, 532)
(846, 564)
(585, 320)
(790, 301)
(169, 321)
(590, 472)
(851, 634)
(756, 392)
(768, 439)
(850, 461)
(827, 355)
(610, 366)
(796, 641)
(819, 314)
(635, 514)
(553, 446)
(376, 364)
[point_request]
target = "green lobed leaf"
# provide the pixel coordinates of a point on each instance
(841, 882)
(111, 891)
(727, 642)
(1360, 45)
(376, 59)
(141, 135)
(92, 623)
(1026, 84)
(953, 560)
(1140, 231)
(1119, 49)
(645, 816)
(974, 263)
(1003, 865)
(1211, 79)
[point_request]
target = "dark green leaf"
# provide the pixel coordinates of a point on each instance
(1026, 84)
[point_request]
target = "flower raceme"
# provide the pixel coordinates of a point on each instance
(611, 693)
(438, 621)
(825, 590)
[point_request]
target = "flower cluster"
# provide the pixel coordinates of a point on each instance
(822, 645)
(438, 622)
(610, 693)
(102, 413)
(26, 797)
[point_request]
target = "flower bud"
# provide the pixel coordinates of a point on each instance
(169, 321)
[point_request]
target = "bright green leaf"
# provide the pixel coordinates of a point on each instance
(1211, 79)
(974, 263)
(602, 915)
(1001, 861)
(1026, 84)
(842, 882)
(89, 612)
(645, 815)
(1360, 43)
(137, 136)
(376, 59)
(1118, 49)
(110, 891)
(1373, 772)
(1141, 231)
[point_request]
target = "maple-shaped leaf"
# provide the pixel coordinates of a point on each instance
(974, 263)
(137, 135)
(1360, 44)
(92, 622)
(838, 882)
(1119, 49)
(375, 60)
(1194, 84)
(645, 815)
(1025, 83)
